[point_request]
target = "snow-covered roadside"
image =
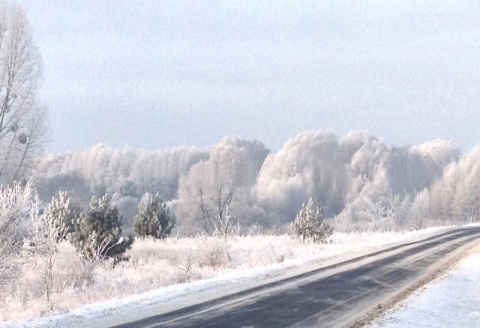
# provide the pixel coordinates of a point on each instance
(344, 246)
(452, 300)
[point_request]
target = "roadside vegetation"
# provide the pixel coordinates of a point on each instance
(154, 264)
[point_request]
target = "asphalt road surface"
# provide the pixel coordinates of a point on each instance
(333, 296)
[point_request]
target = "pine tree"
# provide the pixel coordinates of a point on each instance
(309, 223)
(153, 218)
(61, 213)
(98, 233)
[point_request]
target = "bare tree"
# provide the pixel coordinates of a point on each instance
(22, 118)
(215, 202)
(217, 194)
(47, 231)
(210, 194)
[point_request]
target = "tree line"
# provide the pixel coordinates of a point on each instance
(360, 182)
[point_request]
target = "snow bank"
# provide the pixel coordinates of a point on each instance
(453, 300)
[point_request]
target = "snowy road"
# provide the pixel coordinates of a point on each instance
(331, 296)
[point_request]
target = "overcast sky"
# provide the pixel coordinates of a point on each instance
(157, 74)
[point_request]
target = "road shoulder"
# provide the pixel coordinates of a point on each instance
(449, 292)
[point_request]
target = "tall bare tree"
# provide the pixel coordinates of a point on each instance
(22, 118)
(212, 196)
(215, 196)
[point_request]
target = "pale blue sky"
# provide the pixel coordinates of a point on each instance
(158, 74)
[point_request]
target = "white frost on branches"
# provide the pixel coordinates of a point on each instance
(16, 211)
(310, 224)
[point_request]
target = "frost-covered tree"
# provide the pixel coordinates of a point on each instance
(212, 199)
(16, 211)
(310, 223)
(420, 209)
(215, 195)
(22, 118)
(98, 232)
(61, 213)
(47, 231)
(153, 218)
(438, 154)
(406, 171)
(309, 165)
(456, 196)
(122, 173)
(48, 186)
(378, 213)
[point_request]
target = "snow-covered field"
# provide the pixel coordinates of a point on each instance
(164, 270)
(453, 300)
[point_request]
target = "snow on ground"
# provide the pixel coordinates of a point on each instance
(199, 264)
(453, 300)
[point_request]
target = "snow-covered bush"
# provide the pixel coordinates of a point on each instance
(15, 212)
(98, 233)
(47, 231)
(310, 224)
(153, 218)
(214, 253)
(61, 213)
